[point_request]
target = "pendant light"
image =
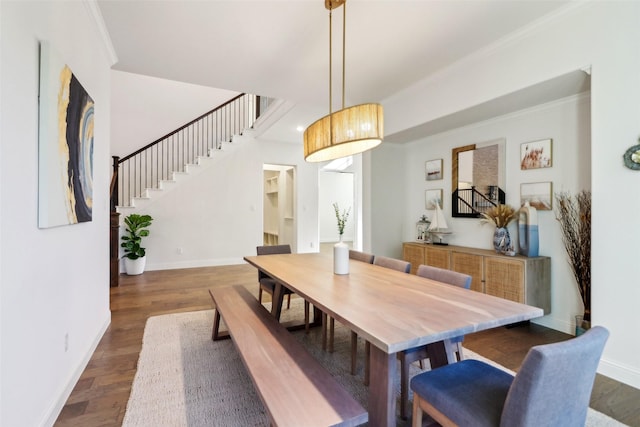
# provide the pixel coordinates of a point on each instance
(347, 131)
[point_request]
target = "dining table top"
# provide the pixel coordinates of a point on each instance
(392, 310)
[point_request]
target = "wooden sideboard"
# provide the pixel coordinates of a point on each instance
(517, 278)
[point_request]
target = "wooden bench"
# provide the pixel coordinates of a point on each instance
(294, 387)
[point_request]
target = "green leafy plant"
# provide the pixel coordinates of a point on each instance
(342, 218)
(136, 230)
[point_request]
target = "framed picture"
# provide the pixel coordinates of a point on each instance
(536, 154)
(433, 197)
(433, 170)
(538, 194)
(65, 144)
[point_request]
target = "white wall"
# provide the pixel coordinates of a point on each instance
(216, 216)
(52, 281)
(147, 108)
(604, 36)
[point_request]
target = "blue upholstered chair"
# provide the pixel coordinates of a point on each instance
(552, 388)
(409, 356)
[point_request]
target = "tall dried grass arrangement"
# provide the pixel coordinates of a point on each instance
(499, 215)
(574, 215)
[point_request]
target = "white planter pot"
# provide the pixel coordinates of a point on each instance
(133, 267)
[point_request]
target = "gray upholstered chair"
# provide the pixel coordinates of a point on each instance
(386, 262)
(409, 356)
(267, 284)
(392, 263)
(361, 256)
(552, 388)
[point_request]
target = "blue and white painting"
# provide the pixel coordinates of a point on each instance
(65, 155)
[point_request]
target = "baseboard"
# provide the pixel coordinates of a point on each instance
(56, 408)
(555, 323)
(195, 263)
(619, 372)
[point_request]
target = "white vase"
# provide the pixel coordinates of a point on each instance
(341, 257)
(133, 267)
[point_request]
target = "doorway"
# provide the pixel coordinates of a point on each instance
(279, 216)
(336, 187)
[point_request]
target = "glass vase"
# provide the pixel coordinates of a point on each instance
(501, 240)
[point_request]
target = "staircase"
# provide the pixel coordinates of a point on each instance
(159, 165)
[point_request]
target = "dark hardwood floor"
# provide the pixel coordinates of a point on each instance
(100, 396)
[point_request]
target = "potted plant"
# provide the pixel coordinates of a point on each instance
(574, 215)
(134, 254)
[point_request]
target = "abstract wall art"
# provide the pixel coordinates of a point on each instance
(65, 144)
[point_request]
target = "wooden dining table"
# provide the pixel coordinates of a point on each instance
(392, 310)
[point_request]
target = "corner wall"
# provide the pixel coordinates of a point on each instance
(53, 282)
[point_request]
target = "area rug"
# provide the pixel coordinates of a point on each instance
(185, 379)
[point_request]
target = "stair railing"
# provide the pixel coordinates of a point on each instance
(147, 167)
(469, 202)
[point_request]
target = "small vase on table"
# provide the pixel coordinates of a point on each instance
(341, 257)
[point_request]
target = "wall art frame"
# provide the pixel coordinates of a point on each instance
(431, 197)
(65, 144)
(433, 170)
(538, 194)
(536, 154)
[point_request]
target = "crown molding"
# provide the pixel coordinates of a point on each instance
(96, 15)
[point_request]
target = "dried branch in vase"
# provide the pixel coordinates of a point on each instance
(574, 215)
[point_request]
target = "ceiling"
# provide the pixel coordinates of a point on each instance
(280, 48)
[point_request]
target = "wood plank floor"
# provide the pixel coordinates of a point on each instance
(100, 397)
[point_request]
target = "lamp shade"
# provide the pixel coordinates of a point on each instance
(343, 133)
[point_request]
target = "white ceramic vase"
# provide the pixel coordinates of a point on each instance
(341, 257)
(133, 267)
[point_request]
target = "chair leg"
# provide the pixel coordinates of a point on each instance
(354, 352)
(404, 385)
(421, 362)
(417, 413)
(367, 361)
(459, 351)
(324, 330)
(332, 325)
(260, 294)
(306, 316)
(288, 301)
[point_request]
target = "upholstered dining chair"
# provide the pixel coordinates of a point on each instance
(386, 262)
(552, 388)
(409, 356)
(267, 284)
